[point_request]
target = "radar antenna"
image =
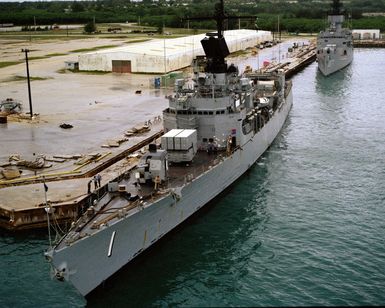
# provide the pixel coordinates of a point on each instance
(214, 45)
(336, 8)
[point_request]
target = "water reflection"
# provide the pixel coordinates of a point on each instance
(334, 85)
(212, 249)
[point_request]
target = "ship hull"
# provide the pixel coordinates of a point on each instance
(90, 261)
(329, 64)
(334, 47)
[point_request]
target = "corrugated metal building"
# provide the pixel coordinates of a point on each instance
(160, 56)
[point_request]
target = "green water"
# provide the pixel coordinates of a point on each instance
(304, 227)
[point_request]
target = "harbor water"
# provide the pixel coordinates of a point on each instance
(305, 226)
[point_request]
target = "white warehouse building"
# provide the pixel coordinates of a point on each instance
(161, 56)
(366, 34)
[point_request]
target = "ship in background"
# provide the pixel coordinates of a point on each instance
(335, 44)
(216, 127)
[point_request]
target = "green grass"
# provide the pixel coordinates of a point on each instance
(65, 71)
(47, 56)
(94, 48)
(137, 41)
(20, 78)
(37, 58)
(115, 36)
(91, 72)
(239, 53)
(10, 63)
(21, 36)
(56, 54)
(62, 71)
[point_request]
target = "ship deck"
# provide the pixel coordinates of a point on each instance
(22, 200)
(112, 206)
(129, 196)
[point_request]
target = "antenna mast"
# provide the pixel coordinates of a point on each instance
(214, 45)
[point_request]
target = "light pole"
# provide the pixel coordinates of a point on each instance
(164, 50)
(26, 51)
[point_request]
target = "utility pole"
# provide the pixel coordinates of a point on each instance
(164, 54)
(26, 51)
(164, 50)
(279, 42)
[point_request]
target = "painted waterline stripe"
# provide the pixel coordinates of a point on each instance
(111, 244)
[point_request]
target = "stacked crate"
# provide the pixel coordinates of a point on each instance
(180, 144)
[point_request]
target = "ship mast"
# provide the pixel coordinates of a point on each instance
(336, 8)
(214, 45)
(336, 17)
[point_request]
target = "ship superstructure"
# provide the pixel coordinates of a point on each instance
(335, 44)
(216, 126)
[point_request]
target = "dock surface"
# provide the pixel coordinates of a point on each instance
(380, 43)
(101, 108)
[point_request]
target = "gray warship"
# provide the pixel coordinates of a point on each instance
(335, 44)
(217, 125)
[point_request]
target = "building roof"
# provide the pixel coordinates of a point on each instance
(176, 46)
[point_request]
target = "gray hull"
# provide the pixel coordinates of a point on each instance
(91, 260)
(331, 63)
(334, 45)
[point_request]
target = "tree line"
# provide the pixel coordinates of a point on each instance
(300, 16)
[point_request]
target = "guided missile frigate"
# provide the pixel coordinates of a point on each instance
(217, 124)
(335, 44)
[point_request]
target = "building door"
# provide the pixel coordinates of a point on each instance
(121, 66)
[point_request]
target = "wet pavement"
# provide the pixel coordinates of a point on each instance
(101, 107)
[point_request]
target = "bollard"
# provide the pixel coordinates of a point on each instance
(3, 119)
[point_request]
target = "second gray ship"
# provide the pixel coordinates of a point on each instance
(216, 127)
(335, 44)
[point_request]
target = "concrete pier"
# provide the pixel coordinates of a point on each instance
(23, 202)
(99, 107)
(297, 60)
(380, 43)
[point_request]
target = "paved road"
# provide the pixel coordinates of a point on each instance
(100, 107)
